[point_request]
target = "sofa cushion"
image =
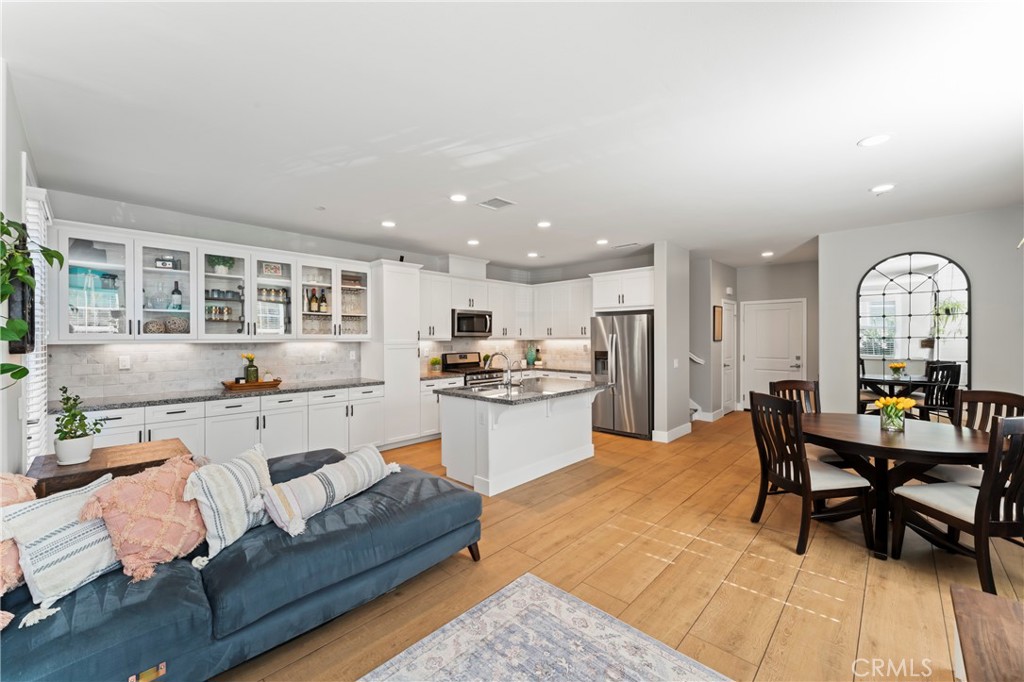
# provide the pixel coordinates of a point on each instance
(283, 469)
(112, 628)
(267, 569)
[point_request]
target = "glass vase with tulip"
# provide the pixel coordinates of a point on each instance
(893, 412)
(252, 372)
(897, 369)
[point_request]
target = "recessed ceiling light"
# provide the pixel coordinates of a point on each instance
(602, 242)
(543, 223)
(767, 254)
(458, 198)
(473, 242)
(388, 223)
(532, 254)
(873, 141)
(319, 208)
(882, 189)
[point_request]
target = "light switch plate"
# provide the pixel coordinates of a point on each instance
(124, 362)
(351, 355)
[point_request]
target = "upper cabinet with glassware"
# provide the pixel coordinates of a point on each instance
(122, 285)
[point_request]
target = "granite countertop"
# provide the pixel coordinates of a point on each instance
(93, 404)
(456, 375)
(531, 391)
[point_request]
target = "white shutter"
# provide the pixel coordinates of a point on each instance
(37, 219)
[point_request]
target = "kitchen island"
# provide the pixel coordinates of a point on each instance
(495, 438)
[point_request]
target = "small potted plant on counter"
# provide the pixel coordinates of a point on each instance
(435, 364)
(74, 432)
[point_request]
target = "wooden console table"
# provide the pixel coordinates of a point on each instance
(990, 630)
(120, 460)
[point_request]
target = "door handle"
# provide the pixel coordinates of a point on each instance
(796, 366)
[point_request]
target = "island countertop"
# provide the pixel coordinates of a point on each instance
(530, 391)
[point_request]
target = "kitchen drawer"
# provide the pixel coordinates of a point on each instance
(337, 395)
(366, 392)
(132, 416)
(277, 402)
(431, 385)
(218, 408)
(158, 414)
(577, 377)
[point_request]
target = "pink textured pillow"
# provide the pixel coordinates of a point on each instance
(14, 489)
(148, 521)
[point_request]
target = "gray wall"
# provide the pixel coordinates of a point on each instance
(671, 337)
(722, 277)
(579, 270)
(785, 280)
(700, 332)
(983, 243)
(11, 203)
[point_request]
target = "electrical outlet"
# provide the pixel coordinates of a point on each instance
(323, 356)
(675, 363)
(351, 355)
(124, 362)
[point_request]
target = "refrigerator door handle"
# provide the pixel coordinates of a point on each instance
(613, 359)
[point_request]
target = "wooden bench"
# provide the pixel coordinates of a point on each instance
(991, 631)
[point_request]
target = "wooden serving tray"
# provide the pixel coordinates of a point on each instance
(251, 385)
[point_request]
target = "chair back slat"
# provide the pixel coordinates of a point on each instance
(1001, 498)
(975, 409)
(779, 438)
(943, 379)
(804, 392)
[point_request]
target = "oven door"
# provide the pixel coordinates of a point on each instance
(471, 323)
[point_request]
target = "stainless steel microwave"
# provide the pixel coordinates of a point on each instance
(471, 323)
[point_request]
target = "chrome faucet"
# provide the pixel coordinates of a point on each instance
(507, 377)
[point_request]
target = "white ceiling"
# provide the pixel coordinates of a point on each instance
(727, 128)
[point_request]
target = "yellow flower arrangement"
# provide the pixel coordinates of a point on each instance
(897, 365)
(248, 356)
(893, 410)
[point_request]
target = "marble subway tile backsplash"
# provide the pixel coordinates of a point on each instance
(561, 354)
(92, 371)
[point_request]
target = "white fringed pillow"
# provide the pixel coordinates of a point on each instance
(292, 502)
(229, 499)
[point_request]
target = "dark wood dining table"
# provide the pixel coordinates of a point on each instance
(860, 441)
(888, 385)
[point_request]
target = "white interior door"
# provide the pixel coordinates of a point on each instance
(774, 343)
(728, 356)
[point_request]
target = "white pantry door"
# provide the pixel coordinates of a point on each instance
(774, 344)
(728, 356)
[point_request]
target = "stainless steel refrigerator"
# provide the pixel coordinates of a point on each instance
(622, 348)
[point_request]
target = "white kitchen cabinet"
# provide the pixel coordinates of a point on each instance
(402, 401)
(96, 288)
(469, 294)
(395, 302)
(524, 311)
(283, 431)
(120, 427)
(227, 293)
(116, 436)
(624, 289)
(562, 310)
(503, 301)
(165, 282)
(230, 434)
(580, 309)
(327, 424)
(544, 311)
(192, 433)
(430, 408)
(342, 310)
(435, 306)
(366, 421)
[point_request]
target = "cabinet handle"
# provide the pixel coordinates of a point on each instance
(417, 334)
(140, 435)
(264, 421)
(346, 410)
(176, 412)
(129, 327)
(365, 392)
(279, 402)
(329, 396)
(112, 419)
(149, 435)
(226, 407)
(353, 409)
(257, 422)
(520, 331)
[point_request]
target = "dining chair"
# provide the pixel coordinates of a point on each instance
(974, 410)
(784, 464)
(943, 379)
(807, 394)
(996, 510)
(865, 396)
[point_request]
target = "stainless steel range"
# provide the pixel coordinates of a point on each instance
(469, 365)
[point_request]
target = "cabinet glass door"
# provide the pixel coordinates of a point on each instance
(272, 315)
(355, 304)
(317, 303)
(167, 295)
(224, 294)
(94, 284)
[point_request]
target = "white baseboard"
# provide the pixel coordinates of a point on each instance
(411, 441)
(709, 416)
(671, 435)
(506, 481)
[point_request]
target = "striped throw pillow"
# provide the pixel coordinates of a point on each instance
(58, 553)
(228, 496)
(291, 503)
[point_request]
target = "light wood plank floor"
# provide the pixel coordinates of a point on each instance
(660, 536)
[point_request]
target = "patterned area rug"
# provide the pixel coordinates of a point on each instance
(531, 630)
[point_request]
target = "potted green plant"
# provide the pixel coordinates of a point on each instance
(74, 431)
(220, 264)
(947, 316)
(487, 356)
(435, 364)
(16, 251)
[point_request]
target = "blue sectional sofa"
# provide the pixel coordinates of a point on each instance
(261, 591)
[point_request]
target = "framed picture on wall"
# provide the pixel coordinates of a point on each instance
(716, 323)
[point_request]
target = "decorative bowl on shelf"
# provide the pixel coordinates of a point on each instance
(176, 325)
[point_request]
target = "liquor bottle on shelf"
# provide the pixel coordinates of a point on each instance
(323, 301)
(314, 302)
(176, 297)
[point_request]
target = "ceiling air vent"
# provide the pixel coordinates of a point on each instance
(626, 246)
(496, 204)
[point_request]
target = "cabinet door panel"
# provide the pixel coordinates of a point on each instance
(402, 396)
(96, 296)
(562, 315)
(430, 415)
(192, 433)
(283, 431)
(125, 436)
(328, 426)
(607, 291)
(274, 297)
(638, 289)
(524, 312)
(230, 435)
(227, 300)
(366, 423)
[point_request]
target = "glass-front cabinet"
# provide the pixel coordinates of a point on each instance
(355, 303)
(97, 298)
(165, 306)
(224, 294)
(335, 301)
(273, 304)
